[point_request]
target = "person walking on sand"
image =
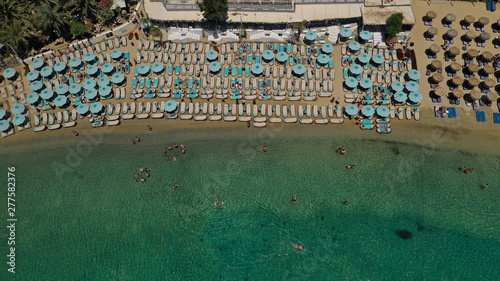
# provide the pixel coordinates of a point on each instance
(215, 203)
(149, 128)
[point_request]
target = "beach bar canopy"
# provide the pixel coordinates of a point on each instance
(170, 106)
(9, 73)
(299, 69)
(258, 68)
(18, 109)
(5, 125)
(351, 109)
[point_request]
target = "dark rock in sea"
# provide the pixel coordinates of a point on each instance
(395, 151)
(404, 234)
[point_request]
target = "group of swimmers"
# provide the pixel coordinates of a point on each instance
(341, 150)
(216, 202)
(175, 146)
(467, 171)
(136, 139)
(142, 170)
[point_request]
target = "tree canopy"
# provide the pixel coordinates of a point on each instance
(214, 10)
(394, 24)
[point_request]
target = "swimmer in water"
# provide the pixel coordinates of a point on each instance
(169, 148)
(143, 180)
(215, 203)
(176, 146)
(175, 159)
(300, 247)
(264, 148)
(485, 186)
(141, 170)
(294, 199)
(136, 175)
(183, 151)
(463, 168)
(166, 157)
(175, 186)
(346, 202)
(147, 175)
(222, 204)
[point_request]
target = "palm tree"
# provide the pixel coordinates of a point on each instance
(300, 26)
(87, 8)
(16, 35)
(14, 10)
(156, 31)
(50, 18)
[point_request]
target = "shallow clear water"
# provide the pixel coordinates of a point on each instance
(85, 218)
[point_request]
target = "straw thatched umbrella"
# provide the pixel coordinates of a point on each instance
(452, 33)
(483, 20)
(492, 96)
(455, 66)
(469, 19)
(487, 56)
(439, 91)
(450, 17)
(457, 80)
(470, 34)
(472, 53)
(458, 93)
(431, 15)
(432, 31)
(473, 67)
(488, 69)
(437, 77)
(475, 94)
(489, 82)
(474, 81)
(454, 51)
(436, 64)
(434, 48)
(485, 36)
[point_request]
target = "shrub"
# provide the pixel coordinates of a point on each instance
(394, 24)
(105, 16)
(78, 29)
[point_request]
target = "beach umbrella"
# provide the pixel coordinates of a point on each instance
(455, 66)
(327, 48)
(33, 98)
(92, 70)
(143, 69)
(351, 109)
(355, 69)
(434, 48)
(298, 69)
(5, 125)
(415, 97)
(61, 100)
(311, 36)
(475, 94)
(33, 75)
(365, 83)
(215, 67)
(400, 97)
(483, 20)
(60, 66)
(36, 85)
(367, 111)
(117, 78)
(487, 56)
(18, 108)
(378, 59)
(351, 82)
(450, 17)
(472, 53)
(414, 74)
(432, 31)
(492, 96)
(62, 89)
(412, 86)
(258, 68)
(82, 109)
(158, 67)
(469, 19)
(345, 32)
(212, 55)
(452, 33)
(105, 91)
(3, 113)
(47, 71)
(436, 64)
(397, 86)
(470, 34)
(458, 93)
(91, 94)
(364, 58)
(354, 46)
(488, 69)
(457, 80)
(282, 57)
(116, 54)
(431, 15)
(323, 59)
(37, 63)
(383, 111)
(439, 91)
(19, 120)
(109, 67)
(104, 81)
(75, 62)
(75, 89)
(474, 81)
(89, 84)
(89, 57)
(47, 94)
(365, 35)
(473, 67)
(268, 55)
(437, 77)
(484, 36)
(9, 73)
(454, 51)
(488, 83)
(170, 106)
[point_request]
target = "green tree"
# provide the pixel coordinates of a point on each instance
(156, 31)
(14, 10)
(17, 35)
(394, 24)
(86, 8)
(300, 26)
(51, 18)
(105, 16)
(214, 11)
(78, 29)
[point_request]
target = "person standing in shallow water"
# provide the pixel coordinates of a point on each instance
(264, 148)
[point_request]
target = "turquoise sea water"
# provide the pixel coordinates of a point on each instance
(85, 218)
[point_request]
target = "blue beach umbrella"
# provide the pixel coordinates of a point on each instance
(18, 109)
(33, 98)
(89, 84)
(383, 111)
(378, 59)
(214, 67)
(158, 67)
(104, 81)
(62, 89)
(9, 73)
(105, 91)
(365, 35)
(47, 71)
(268, 55)
(257, 69)
(82, 109)
(356, 69)
(365, 83)
(212, 55)
(351, 82)
(327, 48)
(364, 58)
(92, 70)
(75, 62)
(351, 109)
(91, 94)
(96, 107)
(354, 46)
(5, 125)
(299, 69)
(170, 106)
(345, 32)
(60, 66)
(144, 69)
(19, 120)
(33, 75)
(116, 54)
(397, 86)
(311, 36)
(323, 59)
(414, 74)
(37, 63)
(282, 57)
(412, 86)
(75, 89)
(367, 111)
(109, 67)
(3, 114)
(89, 57)
(47, 94)
(117, 78)
(61, 100)
(400, 97)
(36, 85)
(415, 97)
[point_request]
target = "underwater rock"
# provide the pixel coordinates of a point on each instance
(404, 234)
